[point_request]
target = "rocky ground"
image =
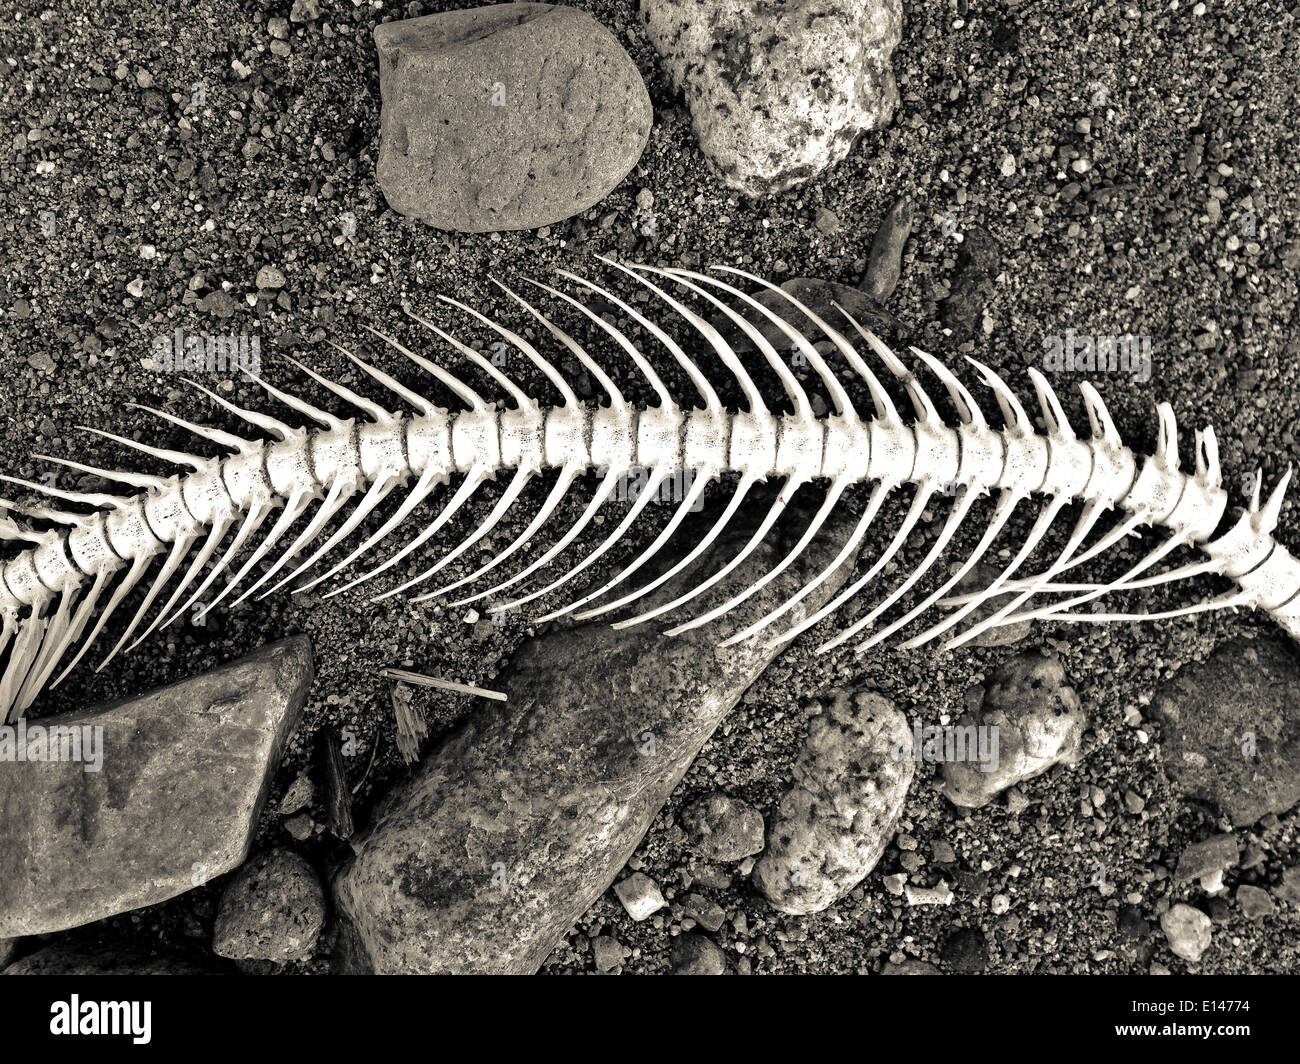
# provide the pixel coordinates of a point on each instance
(1100, 168)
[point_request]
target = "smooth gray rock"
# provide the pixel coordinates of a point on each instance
(778, 92)
(273, 910)
(185, 771)
(511, 116)
(697, 955)
(850, 782)
(1039, 723)
(885, 265)
(504, 836)
(1206, 857)
(1231, 730)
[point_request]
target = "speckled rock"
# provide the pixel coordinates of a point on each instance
(723, 828)
(185, 771)
(830, 829)
(505, 835)
(778, 91)
(273, 910)
(1039, 722)
(1231, 733)
(1188, 931)
(511, 116)
(697, 955)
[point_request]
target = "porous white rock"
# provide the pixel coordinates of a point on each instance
(1188, 931)
(778, 91)
(1036, 719)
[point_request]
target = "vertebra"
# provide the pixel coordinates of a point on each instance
(58, 594)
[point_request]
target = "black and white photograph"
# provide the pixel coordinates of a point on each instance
(650, 487)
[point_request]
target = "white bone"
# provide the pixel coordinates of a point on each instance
(367, 406)
(180, 548)
(473, 481)
(124, 586)
(814, 526)
(220, 526)
(753, 399)
(50, 592)
(1006, 504)
(271, 426)
(924, 493)
(257, 513)
(603, 493)
(851, 545)
(521, 398)
(697, 489)
(321, 417)
(1044, 521)
(294, 508)
(701, 382)
(375, 494)
(742, 489)
(568, 474)
(454, 384)
(840, 401)
(396, 387)
(430, 479)
(656, 382)
(134, 480)
(339, 493)
(964, 500)
(657, 478)
(508, 497)
(778, 507)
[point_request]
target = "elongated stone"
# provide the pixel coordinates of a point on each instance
(177, 778)
(508, 833)
(850, 782)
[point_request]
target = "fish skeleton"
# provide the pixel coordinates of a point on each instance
(226, 514)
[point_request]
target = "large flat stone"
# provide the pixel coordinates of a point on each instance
(67, 959)
(184, 774)
(506, 834)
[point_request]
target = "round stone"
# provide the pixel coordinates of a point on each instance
(512, 116)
